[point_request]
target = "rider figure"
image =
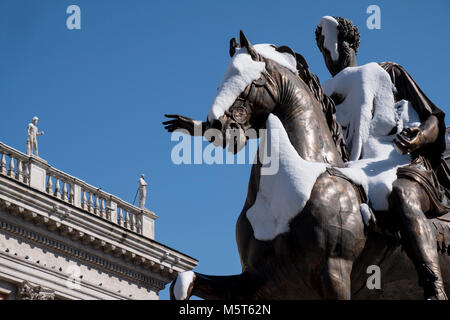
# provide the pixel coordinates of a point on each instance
(421, 190)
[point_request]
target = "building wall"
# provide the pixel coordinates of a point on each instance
(30, 253)
(61, 238)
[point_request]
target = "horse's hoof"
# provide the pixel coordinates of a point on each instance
(182, 288)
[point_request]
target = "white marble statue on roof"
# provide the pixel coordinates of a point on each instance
(142, 191)
(33, 133)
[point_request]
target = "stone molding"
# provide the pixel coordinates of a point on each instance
(34, 207)
(56, 279)
(86, 257)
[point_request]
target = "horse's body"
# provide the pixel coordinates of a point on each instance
(326, 251)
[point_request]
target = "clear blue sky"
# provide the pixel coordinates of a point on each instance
(101, 92)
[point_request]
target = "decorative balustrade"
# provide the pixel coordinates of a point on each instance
(14, 164)
(36, 173)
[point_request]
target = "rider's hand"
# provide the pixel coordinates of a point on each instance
(180, 122)
(409, 140)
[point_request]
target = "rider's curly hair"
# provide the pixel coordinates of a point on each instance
(347, 32)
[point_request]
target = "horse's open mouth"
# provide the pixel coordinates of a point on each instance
(232, 134)
(236, 139)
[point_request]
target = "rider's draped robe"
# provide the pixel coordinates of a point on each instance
(428, 166)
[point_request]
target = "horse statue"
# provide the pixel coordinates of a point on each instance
(301, 233)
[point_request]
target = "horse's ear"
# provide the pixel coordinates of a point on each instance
(233, 46)
(246, 44)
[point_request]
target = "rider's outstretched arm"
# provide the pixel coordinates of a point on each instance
(193, 127)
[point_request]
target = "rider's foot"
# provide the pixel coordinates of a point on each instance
(432, 285)
(436, 293)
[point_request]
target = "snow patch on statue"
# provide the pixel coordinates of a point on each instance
(182, 283)
(283, 195)
(367, 89)
(285, 59)
(370, 121)
(241, 72)
(330, 33)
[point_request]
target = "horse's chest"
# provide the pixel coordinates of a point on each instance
(285, 186)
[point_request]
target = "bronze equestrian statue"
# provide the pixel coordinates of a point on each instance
(422, 188)
(325, 249)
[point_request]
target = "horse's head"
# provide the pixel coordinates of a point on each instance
(249, 90)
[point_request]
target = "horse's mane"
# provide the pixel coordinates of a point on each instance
(328, 106)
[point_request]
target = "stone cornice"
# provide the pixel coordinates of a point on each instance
(41, 273)
(84, 256)
(79, 225)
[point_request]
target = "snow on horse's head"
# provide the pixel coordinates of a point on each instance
(247, 92)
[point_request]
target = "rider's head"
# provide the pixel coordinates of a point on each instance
(338, 40)
(35, 120)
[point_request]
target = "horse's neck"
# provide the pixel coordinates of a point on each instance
(306, 125)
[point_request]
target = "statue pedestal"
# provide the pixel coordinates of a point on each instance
(38, 172)
(148, 223)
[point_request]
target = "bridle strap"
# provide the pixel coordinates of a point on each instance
(266, 84)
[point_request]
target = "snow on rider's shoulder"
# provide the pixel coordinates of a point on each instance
(370, 75)
(367, 90)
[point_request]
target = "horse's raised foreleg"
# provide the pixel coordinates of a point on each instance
(234, 287)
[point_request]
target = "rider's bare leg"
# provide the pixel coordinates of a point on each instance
(411, 201)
